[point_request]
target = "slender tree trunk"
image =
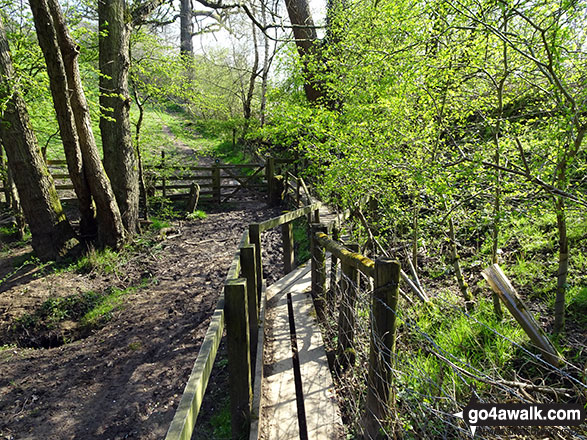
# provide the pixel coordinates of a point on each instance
(110, 226)
(463, 286)
(11, 195)
(15, 205)
(251, 90)
(120, 158)
(186, 47)
(51, 233)
(306, 39)
(563, 261)
(142, 186)
(4, 168)
(265, 73)
(47, 37)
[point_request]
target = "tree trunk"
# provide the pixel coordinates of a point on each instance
(110, 226)
(15, 205)
(251, 90)
(120, 159)
(186, 47)
(51, 233)
(142, 186)
(266, 64)
(306, 38)
(47, 37)
(563, 266)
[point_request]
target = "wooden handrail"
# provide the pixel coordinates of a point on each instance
(287, 217)
(354, 259)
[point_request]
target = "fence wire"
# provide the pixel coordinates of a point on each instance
(444, 355)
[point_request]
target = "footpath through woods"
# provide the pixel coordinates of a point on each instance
(123, 380)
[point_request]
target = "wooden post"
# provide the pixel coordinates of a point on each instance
(502, 286)
(269, 174)
(249, 272)
(380, 396)
(255, 239)
(163, 181)
(349, 283)
(239, 356)
(317, 216)
(318, 270)
(334, 261)
(193, 197)
(298, 193)
(216, 183)
(276, 190)
(288, 246)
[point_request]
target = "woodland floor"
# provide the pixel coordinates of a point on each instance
(125, 379)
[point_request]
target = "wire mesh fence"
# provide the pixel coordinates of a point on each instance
(444, 355)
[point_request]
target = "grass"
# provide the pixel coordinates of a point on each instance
(301, 240)
(197, 214)
(577, 305)
(220, 422)
(102, 261)
(89, 310)
(474, 340)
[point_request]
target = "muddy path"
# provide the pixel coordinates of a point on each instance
(125, 379)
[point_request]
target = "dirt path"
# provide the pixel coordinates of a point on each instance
(125, 380)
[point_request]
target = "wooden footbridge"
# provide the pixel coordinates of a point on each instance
(281, 386)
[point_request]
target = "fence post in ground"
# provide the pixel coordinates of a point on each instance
(270, 174)
(318, 269)
(163, 180)
(255, 239)
(239, 356)
(288, 246)
(216, 183)
(349, 283)
(317, 215)
(380, 396)
(193, 198)
(247, 257)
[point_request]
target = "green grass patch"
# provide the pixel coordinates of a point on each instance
(101, 261)
(87, 310)
(220, 422)
(465, 340)
(197, 214)
(301, 240)
(577, 305)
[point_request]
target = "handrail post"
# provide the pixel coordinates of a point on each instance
(318, 269)
(349, 283)
(288, 247)
(380, 397)
(249, 272)
(298, 192)
(239, 356)
(317, 215)
(255, 239)
(332, 291)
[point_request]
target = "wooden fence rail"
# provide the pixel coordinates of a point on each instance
(386, 274)
(220, 182)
